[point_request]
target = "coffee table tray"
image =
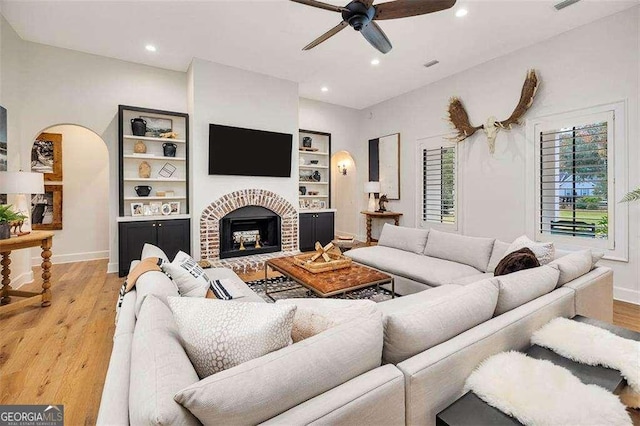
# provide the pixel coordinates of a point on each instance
(319, 265)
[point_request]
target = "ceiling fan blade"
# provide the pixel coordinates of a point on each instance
(320, 5)
(333, 31)
(374, 35)
(406, 8)
(367, 3)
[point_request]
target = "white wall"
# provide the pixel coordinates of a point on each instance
(225, 95)
(344, 124)
(45, 86)
(588, 66)
(85, 207)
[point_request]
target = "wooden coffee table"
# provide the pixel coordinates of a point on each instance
(326, 284)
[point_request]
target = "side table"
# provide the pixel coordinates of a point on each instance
(379, 215)
(43, 239)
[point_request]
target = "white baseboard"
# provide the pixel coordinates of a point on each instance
(626, 295)
(113, 267)
(71, 258)
(21, 280)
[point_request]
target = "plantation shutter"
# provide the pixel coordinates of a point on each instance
(575, 178)
(439, 184)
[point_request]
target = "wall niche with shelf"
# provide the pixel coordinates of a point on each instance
(314, 169)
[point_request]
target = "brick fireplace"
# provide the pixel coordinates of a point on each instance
(212, 217)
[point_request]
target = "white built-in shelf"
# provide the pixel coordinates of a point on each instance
(313, 167)
(314, 152)
(148, 138)
(313, 183)
(152, 157)
(177, 197)
(154, 180)
(143, 218)
(313, 196)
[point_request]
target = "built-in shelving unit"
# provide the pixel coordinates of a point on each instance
(314, 173)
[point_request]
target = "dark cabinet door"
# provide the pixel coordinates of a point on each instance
(306, 227)
(174, 236)
(132, 237)
(324, 227)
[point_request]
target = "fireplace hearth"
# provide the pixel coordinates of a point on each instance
(249, 230)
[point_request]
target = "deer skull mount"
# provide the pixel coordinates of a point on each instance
(459, 118)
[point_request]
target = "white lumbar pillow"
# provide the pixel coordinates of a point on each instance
(544, 252)
(187, 275)
(313, 316)
(149, 250)
(218, 335)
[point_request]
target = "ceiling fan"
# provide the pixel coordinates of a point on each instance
(362, 14)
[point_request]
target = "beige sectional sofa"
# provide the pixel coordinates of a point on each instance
(413, 364)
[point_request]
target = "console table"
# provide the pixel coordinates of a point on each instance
(379, 215)
(41, 239)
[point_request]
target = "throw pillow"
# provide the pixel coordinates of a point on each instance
(218, 335)
(145, 265)
(521, 287)
(472, 251)
(573, 265)
(517, 261)
(402, 238)
(149, 250)
(313, 316)
(190, 277)
(543, 251)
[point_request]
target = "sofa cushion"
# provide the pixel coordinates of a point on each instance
(472, 251)
(407, 239)
(432, 319)
(313, 316)
(573, 265)
(596, 255)
(521, 287)
(544, 251)
(472, 279)
(218, 335)
(498, 252)
(149, 250)
(240, 291)
(424, 269)
(262, 388)
(154, 283)
(159, 368)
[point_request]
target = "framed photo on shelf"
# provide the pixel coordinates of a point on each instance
(323, 204)
(137, 209)
(156, 208)
(157, 126)
(304, 204)
(175, 207)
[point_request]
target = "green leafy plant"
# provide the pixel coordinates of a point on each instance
(7, 215)
(632, 196)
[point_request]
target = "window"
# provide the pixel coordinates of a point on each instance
(439, 184)
(578, 166)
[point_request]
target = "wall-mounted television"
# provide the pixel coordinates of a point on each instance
(246, 152)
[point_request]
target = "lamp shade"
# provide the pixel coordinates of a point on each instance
(371, 187)
(21, 183)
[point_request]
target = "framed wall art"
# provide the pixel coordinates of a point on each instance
(384, 164)
(46, 156)
(46, 209)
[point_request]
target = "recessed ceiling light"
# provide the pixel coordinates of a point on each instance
(375, 61)
(325, 89)
(150, 47)
(461, 12)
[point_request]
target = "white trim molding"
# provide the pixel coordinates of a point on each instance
(74, 257)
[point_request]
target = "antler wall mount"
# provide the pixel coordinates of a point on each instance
(362, 14)
(459, 118)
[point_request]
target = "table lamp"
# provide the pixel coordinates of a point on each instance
(22, 183)
(372, 188)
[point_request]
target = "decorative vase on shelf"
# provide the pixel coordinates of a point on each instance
(140, 148)
(138, 126)
(306, 142)
(316, 176)
(302, 190)
(143, 191)
(144, 170)
(169, 149)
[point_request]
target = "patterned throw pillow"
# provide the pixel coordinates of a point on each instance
(191, 279)
(545, 252)
(218, 335)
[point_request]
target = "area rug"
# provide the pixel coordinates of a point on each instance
(538, 392)
(292, 290)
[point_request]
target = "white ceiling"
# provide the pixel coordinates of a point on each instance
(267, 36)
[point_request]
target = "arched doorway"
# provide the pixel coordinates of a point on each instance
(344, 195)
(80, 188)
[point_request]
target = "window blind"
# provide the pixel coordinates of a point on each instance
(438, 183)
(574, 181)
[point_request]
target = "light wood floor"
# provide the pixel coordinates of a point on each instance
(60, 354)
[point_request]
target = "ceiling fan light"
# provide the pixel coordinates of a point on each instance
(150, 48)
(324, 89)
(375, 61)
(461, 12)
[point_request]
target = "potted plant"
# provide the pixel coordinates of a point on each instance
(6, 217)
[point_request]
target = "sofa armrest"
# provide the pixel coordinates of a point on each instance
(373, 398)
(594, 294)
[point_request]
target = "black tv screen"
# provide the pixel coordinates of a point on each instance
(246, 152)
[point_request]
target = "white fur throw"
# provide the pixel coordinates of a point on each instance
(538, 392)
(591, 345)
